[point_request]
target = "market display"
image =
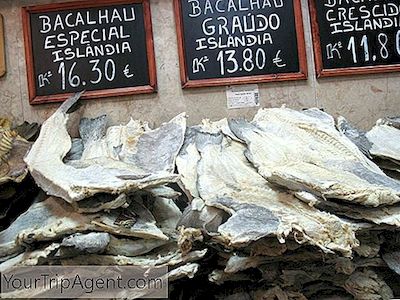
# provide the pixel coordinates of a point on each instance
(286, 206)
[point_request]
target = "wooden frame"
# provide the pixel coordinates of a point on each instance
(301, 48)
(319, 65)
(3, 67)
(34, 99)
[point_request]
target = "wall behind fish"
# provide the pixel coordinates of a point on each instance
(361, 99)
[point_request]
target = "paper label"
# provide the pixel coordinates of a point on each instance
(242, 96)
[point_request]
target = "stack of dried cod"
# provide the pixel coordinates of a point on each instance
(108, 201)
(299, 212)
(282, 207)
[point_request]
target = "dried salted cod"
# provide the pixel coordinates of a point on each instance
(367, 285)
(101, 202)
(150, 150)
(13, 149)
(384, 215)
(29, 131)
(135, 221)
(226, 180)
(76, 151)
(133, 247)
(33, 258)
(92, 132)
(188, 157)
(188, 270)
(186, 163)
(304, 151)
(88, 243)
(168, 257)
(385, 141)
(80, 179)
(391, 121)
(393, 261)
(356, 135)
(107, 244)
(46, 220)
(220, 277)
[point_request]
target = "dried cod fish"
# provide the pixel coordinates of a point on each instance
(46, 220)
(134, 221)
(33, 258)
(188, 270)
(391, 121)
(227, 181)
(145, 159)
(355, 135)
(167, 257)
(133, 247)
(384, 139)
(53, 218)
(101, 202)
(303, 151)
(29, 131)
(384, 215)
(393, 261)
(186, 163)
(89, 243)
(367, 285)
(13, 149)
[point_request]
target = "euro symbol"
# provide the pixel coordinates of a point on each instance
(278, 61)
(127, 72)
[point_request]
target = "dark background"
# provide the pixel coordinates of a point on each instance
(347, 58)
(284, 39)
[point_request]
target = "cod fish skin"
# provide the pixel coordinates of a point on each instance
(393, 261)
(134, 221)
(383, 215)
(227, 181)
(384, 139)
(46, 220)
(303, 151)
(165, 257)
(85, 178)
(354, 134)
(85, 243)
(107, 244)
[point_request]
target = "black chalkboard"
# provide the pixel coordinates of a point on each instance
(236, 41)
(103, 47)
(353, 37)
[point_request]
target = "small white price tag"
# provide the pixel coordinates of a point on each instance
(242, 96)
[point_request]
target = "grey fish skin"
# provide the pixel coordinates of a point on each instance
(89, 243)
(101, 173)
(44, 220)
(391, 121)
(384, 140)
(225, 180)
(393, 261)
(157, 150)
(76, 150)
(357, 136)
(303, 151)
(92, 130)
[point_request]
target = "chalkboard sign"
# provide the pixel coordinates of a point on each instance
(355, 37)
(103, 47)
(224, 42)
